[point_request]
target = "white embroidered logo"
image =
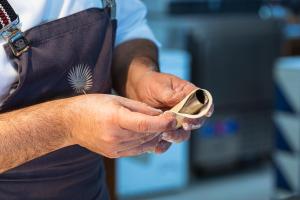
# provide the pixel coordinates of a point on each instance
(80, 78)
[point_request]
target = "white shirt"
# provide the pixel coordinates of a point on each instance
(131, 15)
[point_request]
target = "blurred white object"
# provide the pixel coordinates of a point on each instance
(154, 173)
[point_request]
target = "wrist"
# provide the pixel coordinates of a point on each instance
(139, 69)
(64, 115)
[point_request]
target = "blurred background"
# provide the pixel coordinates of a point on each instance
(246, 53)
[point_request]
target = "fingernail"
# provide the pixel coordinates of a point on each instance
(196, 126)
(164, 136)
(158, 110)
(187, 127)
(209, 114)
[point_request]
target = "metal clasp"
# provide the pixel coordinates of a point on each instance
(113, 7)
(15, 38)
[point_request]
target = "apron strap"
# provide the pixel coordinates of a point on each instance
(10, 31)
(8, 16)
(111, 4)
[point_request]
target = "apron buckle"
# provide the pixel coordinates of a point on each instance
(111, 4)
(15, 38)
(17, 42)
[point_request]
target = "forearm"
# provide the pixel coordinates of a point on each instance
(131, 61)
(29, 133)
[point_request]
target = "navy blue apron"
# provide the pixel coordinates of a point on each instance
(79, 44)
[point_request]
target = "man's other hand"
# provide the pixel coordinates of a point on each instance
(164, 91)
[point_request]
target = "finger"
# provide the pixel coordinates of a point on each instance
(172, 97)
(142, 123)
(186, 87)
(211, 111)
(193, 121)
(144, 148)
(137, 142)
(192, 124)
(162, 147)
(123, 136)
(177, 136)
(136, 106)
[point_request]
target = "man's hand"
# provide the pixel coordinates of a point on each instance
(108, 125)
(161, 90)
(134, 76)
(164, 91)
(116, 127)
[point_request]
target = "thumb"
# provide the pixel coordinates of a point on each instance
(173, 96)
(136, 106)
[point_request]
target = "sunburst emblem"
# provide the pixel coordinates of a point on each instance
(80, 78)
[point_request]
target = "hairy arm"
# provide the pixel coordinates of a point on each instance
(31, 132)
(131, 61)
(34, 131)
(130, 128)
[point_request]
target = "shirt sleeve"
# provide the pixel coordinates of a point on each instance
(132, 23)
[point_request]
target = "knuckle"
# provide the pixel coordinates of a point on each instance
(111, 139)
(143, 126)
(113, 155)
